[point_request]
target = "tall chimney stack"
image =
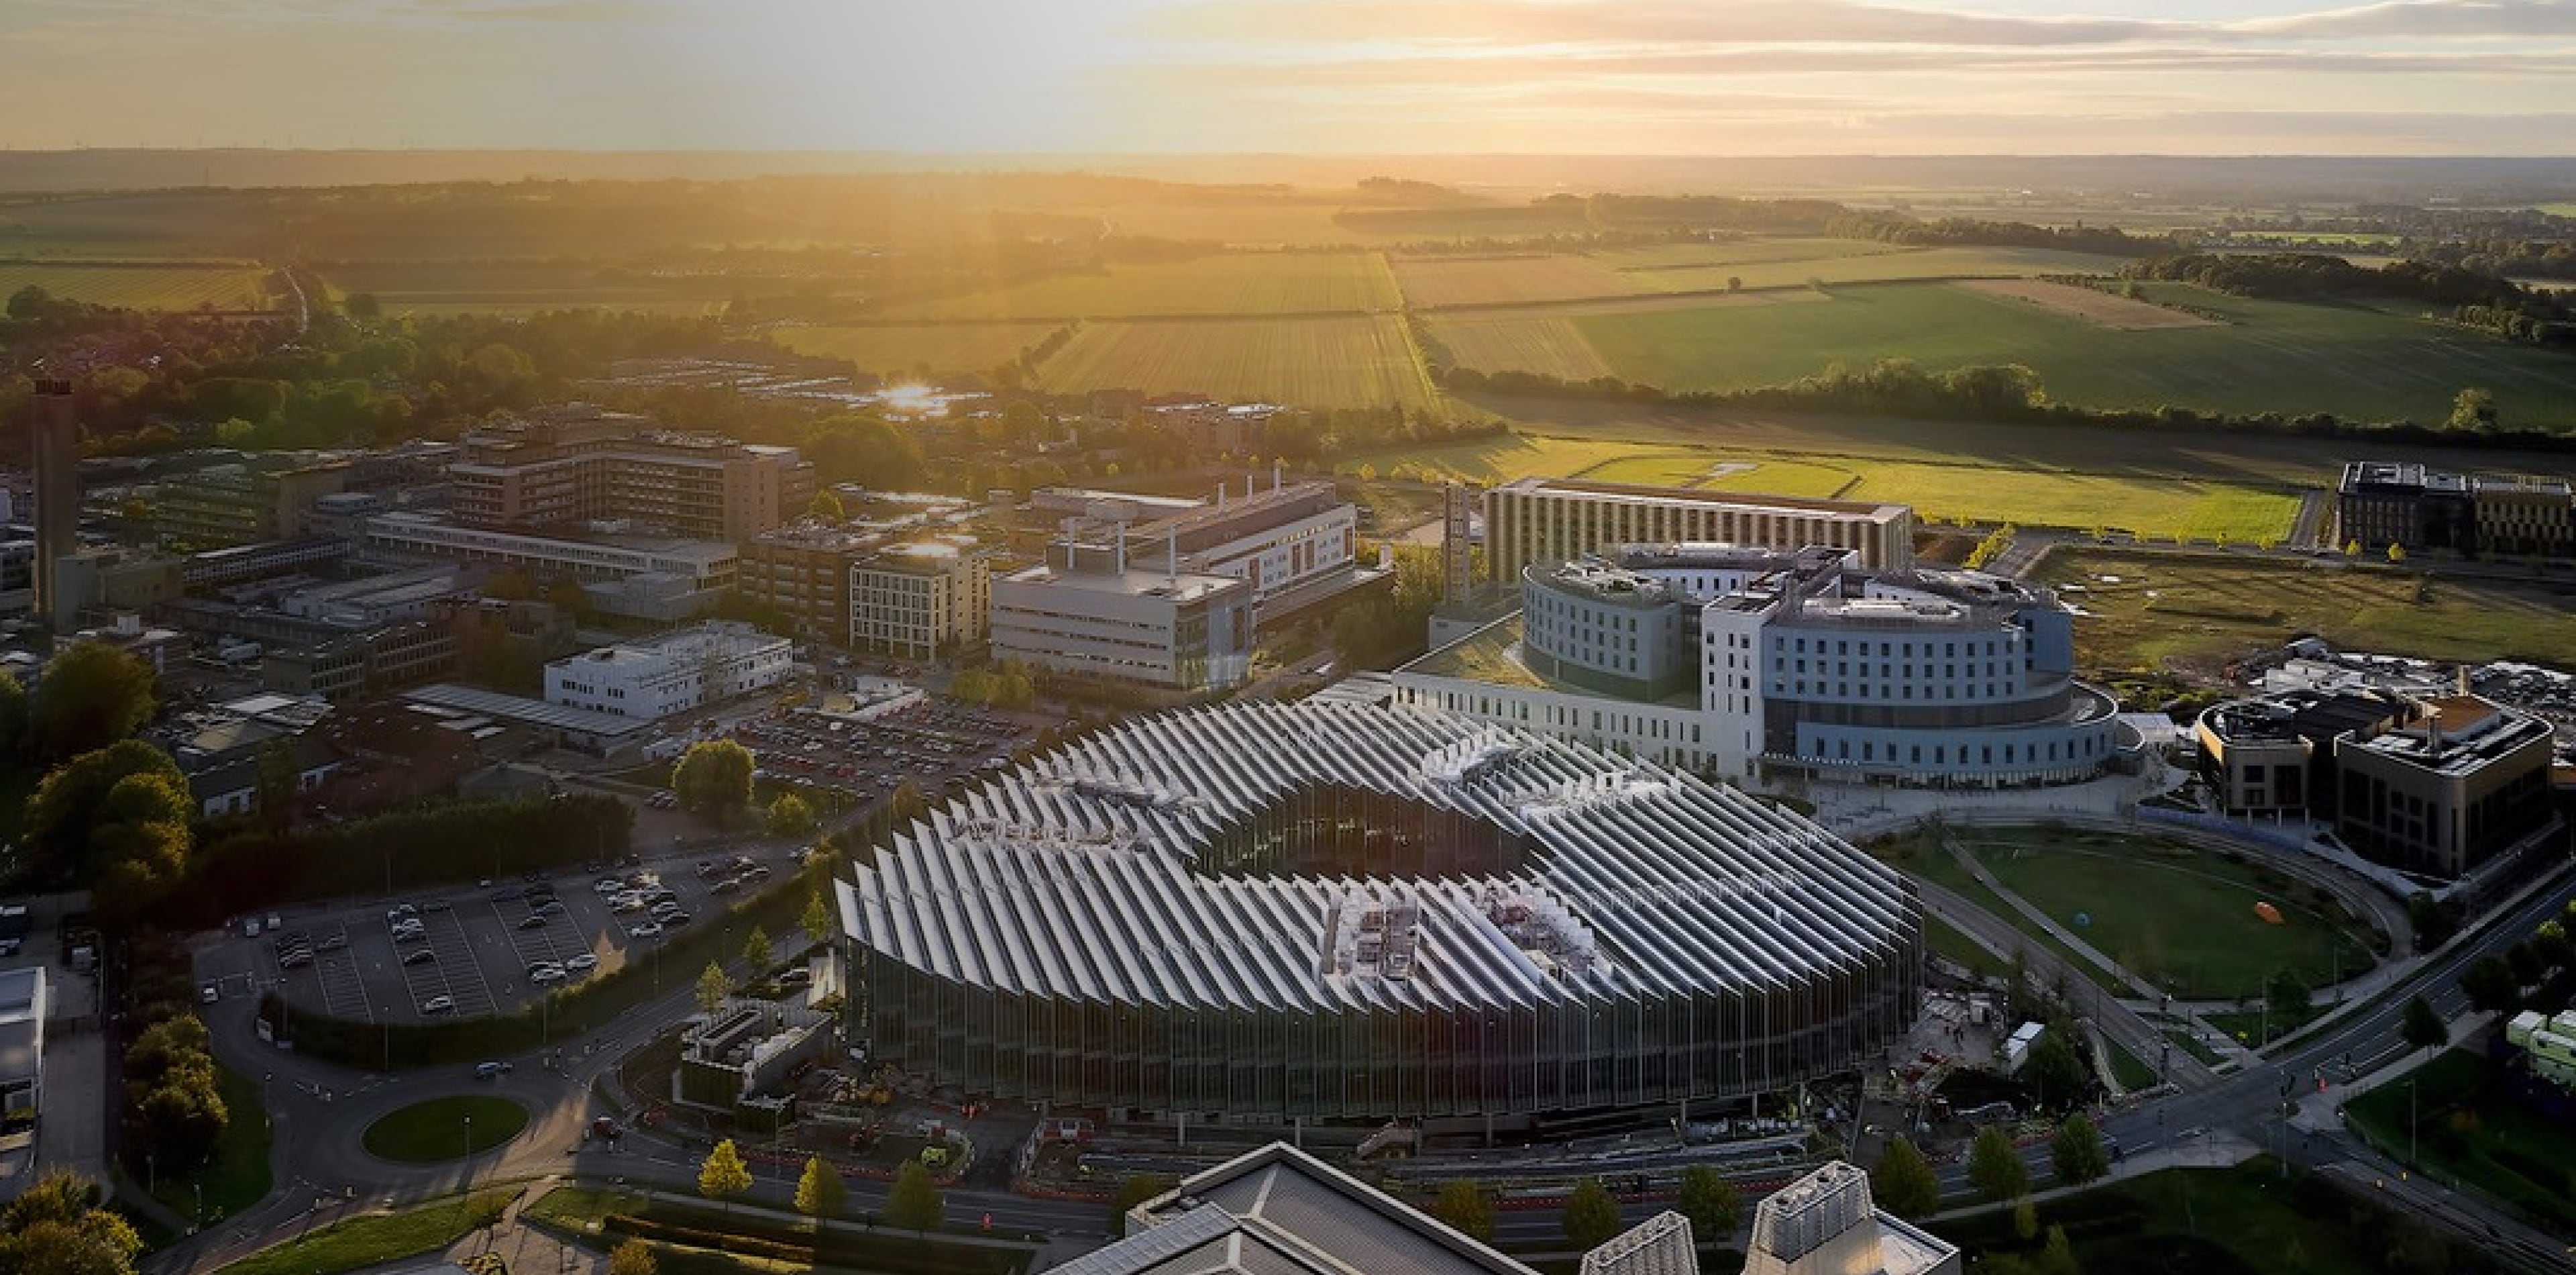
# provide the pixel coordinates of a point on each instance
(55, 454)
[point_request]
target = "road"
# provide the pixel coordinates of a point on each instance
(320, 1109)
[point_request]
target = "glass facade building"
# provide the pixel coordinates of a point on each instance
(1339, 911)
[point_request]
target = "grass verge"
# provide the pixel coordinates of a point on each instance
(445, 1128)
(2468, 1126)
(238, 1176)
(366, 1241)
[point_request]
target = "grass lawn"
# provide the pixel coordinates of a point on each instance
(2204, 1221)
(2267, 356)
(1501, 459)
(238, 1178)
(2131, 1071)
(2179, 917)
(2470, 1128)
(1949, 941)
(2163, 607)
(1727, 473)
(1917, 854)
(425, 1132)
(572, 1207)
(1356, 361)
(2160, 507)
(366, 1241)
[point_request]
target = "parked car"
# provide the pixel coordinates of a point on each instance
(333, 942)
(796, 978)
(550, 908)
(644, 930)
(438, 1005)
(547, 974)
(727, 886)
(533, 921)
(675, 919)
(420, 956)
(582, 963)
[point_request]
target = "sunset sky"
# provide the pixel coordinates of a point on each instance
(1717, 77)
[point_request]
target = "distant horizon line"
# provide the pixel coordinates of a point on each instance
(1304, 156)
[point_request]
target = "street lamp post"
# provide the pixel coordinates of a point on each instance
(2410, 1124)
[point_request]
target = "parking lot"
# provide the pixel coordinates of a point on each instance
(937, 746)
(474, 949)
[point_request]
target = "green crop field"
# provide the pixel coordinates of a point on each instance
(1877, 267)
(2143, 610)
(2267, 356)
(1431, 282)
(1353, 362)
(1228, 284)
(172, 285)
(1547, 340)
(1735, 252)
(941, 347)
(2159, 507)
(527, 287)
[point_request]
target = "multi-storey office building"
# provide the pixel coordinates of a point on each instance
(1087, 613)
(1552, 520)
(803, 569)
(673, 674)
(2383, 502)
(915, 601)
(577, 463)
(1279, 541)
(1340, 911)
(703, 566)
(267, 499)
(1748, 662)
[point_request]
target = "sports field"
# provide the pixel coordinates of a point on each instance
(176, 285)
(1351, 362)
(2268, 356)
(940, 347)
(1281, 283)
(2143, 610)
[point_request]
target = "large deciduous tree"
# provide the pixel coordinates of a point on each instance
(1591, 1216)
(1711, 1203)
(713, 778)
(1903, 1181)
(723, 1175)
(1995, 1168)
(915, 1203)
(91, 696)
(1464, 1206)
(2076, 1152)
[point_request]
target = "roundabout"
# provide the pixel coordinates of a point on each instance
(444, 1129)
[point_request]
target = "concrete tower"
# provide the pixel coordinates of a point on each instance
(54, 451)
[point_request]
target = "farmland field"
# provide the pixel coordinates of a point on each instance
(1877, 267)
(2268, 356)
(1545, 340)
(176, 285)
(2142, 610)
(1431, 282)
(1748, 251)
(941, 347)
(1234, 283)
(526, 287)
(1350, 362)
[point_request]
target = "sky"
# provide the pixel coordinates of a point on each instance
(1341, 77)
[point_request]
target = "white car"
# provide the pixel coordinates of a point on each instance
(438, 1005)
(581, 964)
(547, 974)
(607, 885)
(644, 930)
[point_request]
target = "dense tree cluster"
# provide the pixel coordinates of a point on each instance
(174, 1108)
(1965, 231)
(2480, 300)
(117, 819)
(713, 778)
(62, 1226)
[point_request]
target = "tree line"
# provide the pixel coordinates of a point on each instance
(1897, 228)
(2479, 300)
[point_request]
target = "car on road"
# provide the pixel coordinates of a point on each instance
(606, 1129)
(438, 1005)
(533, 921)
(208, 994)
(796, 978)
(420, 956)
(491, 1070)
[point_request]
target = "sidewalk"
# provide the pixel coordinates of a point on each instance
(524, 1249)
